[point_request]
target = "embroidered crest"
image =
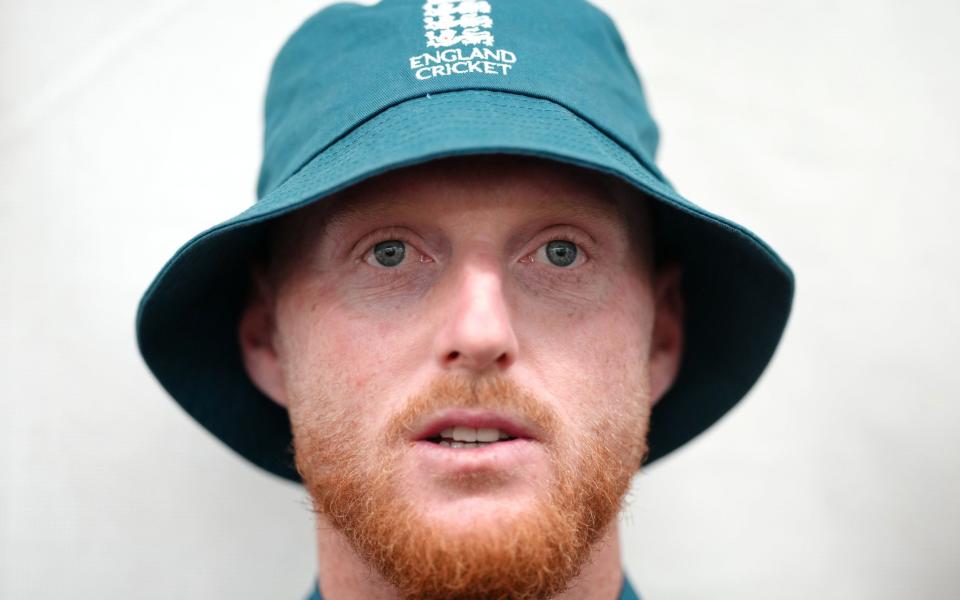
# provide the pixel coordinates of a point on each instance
(462, 32)
(449, 22)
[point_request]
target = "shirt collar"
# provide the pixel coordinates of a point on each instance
(626, 592)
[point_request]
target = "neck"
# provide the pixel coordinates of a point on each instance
(344, 576)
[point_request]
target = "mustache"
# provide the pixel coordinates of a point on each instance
(495, 393)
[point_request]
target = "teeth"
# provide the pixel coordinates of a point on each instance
(470, 437)
(469, 434)
(488, 435)
(465, 444)
(464, 434)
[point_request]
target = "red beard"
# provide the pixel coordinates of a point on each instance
(533, 554)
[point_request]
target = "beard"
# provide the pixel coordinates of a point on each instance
(529, 554)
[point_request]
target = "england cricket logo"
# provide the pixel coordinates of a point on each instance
(449, 23)
(462, 33)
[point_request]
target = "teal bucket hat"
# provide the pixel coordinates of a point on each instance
(361, 90)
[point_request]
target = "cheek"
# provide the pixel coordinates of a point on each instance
(594, 356)
(613, 324)
(335, 354)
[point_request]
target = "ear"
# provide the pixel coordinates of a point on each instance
(666, 347)
(256, 331)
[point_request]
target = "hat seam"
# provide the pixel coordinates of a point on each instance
(612, 138)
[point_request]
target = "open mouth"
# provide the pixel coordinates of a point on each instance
(461, 441)
(470, 437)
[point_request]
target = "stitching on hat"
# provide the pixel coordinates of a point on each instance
(444, 97)
(343, 150)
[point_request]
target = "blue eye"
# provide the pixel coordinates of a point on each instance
(561, 253)
(390, 253)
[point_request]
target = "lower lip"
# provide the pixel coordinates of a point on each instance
(498, 456)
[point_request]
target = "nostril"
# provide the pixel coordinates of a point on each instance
(456, 358)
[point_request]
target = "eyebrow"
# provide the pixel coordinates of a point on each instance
(335, 211)
(347, 207)
(347, 210)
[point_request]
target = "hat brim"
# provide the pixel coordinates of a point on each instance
(738, 292)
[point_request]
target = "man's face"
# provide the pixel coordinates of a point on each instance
(507, 298)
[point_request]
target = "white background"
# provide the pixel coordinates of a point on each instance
(829, 128)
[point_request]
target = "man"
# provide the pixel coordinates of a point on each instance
(467, 306)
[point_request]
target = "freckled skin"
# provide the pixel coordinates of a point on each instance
(402, 309)
(475, 284)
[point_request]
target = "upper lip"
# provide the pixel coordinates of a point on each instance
(434, 424)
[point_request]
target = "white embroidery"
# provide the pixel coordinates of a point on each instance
(465, 23)
(452, 22)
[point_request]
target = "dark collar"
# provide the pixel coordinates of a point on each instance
(626, 592)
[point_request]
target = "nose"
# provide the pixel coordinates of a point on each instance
(478, 334)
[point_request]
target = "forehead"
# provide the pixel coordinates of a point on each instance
(464, 188)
